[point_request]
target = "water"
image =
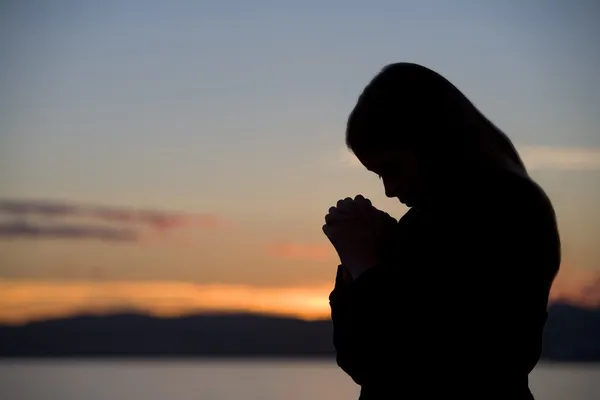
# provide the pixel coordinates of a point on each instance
(224, 380)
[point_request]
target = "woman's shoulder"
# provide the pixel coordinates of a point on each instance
(503, 205)
(520, 221)
(522, 198)
(517, 211)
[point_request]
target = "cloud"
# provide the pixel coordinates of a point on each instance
(299, 251)
(560, 158)
(534, 157)
(155, 219)
(577, 286)
(49, 209)
(23, 301)
(113, 223)
(23, 229)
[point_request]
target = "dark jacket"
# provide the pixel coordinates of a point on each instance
(459, 305)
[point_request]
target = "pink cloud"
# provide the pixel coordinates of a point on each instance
(24, 229)
(159, 220)
(83, 221)
(156, 219)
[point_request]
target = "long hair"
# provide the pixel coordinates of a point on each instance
(409, 104)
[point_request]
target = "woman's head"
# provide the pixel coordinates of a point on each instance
(418, 132)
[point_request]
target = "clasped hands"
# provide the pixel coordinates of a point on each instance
(357, 231)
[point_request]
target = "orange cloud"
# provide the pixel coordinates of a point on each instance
(23, 301)
(298, 251)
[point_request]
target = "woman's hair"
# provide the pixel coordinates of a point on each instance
(407, 104)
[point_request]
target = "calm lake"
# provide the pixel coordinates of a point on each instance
(224, 380)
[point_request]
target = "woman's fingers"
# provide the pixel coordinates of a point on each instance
(361, 202)
(347, 208)
(333, 215)
(329, 219)
(345, 205)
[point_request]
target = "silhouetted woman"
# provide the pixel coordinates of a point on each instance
(451, 300)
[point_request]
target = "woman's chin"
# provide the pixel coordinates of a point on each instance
(407, 201)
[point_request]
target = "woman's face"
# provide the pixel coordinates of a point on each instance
(401, 171)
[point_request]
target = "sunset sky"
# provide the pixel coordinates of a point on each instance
(180, 156)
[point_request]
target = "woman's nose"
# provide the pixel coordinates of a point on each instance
(391, 188)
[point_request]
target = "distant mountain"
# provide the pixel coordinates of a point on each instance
(572, 334)
(138, 335)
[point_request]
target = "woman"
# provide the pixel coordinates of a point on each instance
(450, 300)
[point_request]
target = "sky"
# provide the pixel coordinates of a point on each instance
(176, 157)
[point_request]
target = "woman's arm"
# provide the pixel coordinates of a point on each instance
(365, 326)
(365, 313)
